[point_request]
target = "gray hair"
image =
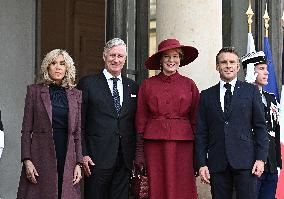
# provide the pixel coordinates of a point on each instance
(68, 80)
(114, 42)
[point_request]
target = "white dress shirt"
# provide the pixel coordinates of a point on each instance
(223, 90)
(110, 84)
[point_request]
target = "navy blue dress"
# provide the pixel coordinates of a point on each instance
(59, 104)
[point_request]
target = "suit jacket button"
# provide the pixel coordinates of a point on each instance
(226, 122)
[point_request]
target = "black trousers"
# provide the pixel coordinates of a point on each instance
(267, 185)
(243, 182)
(110, 183)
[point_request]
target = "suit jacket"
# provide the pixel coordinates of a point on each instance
(238, 139)
(37, 145)
(103, 130)
(273, 128)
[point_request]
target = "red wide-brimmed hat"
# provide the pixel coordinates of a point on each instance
(190, 54)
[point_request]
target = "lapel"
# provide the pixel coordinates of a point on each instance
(72, 106)
(107, 95)
(217, 100)
(267, 98)
(46, 101)
(236, 96)
(126, 95)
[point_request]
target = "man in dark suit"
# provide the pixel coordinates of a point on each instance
(267, 183)
(108, 132)
(231, 137)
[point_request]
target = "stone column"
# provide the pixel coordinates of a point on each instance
(197, 23)
(115, 19)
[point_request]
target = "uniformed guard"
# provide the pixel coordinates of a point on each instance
(255, 67)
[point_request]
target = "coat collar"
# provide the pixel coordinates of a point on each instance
(170, 78)
(46, 101)
(126, 96)
(72, 107)
(108, 95)
(217, 99)
(45, 96)
(235, 97)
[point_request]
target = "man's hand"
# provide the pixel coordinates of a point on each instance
(204, 175)
(86, 162)
(258, 168)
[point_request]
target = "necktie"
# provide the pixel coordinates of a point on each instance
(227, 98)
(115, 95)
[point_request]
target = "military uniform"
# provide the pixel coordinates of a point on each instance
(267, 183)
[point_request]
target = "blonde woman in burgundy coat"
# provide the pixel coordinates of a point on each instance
(51, 133)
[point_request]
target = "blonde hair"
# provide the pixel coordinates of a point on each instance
(68, 80)
(178, 50)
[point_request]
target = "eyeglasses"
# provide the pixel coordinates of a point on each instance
(167, 57)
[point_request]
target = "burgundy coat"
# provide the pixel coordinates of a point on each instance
(37, 145)
(167, 108)
(166, 115)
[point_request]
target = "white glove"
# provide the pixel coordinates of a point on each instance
(251, 75)
(1, 150)
(1, 142)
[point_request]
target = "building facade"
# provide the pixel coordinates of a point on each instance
(31, 28)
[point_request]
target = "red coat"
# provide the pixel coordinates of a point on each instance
(166, 115)
(167, 107)
(37, 145)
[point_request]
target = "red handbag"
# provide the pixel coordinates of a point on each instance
(139, 185)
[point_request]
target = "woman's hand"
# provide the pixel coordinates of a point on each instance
(77, 174)
(31, 171)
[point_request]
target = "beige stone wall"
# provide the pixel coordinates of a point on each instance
(197, 23)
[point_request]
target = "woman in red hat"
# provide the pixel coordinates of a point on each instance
(165, 122)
